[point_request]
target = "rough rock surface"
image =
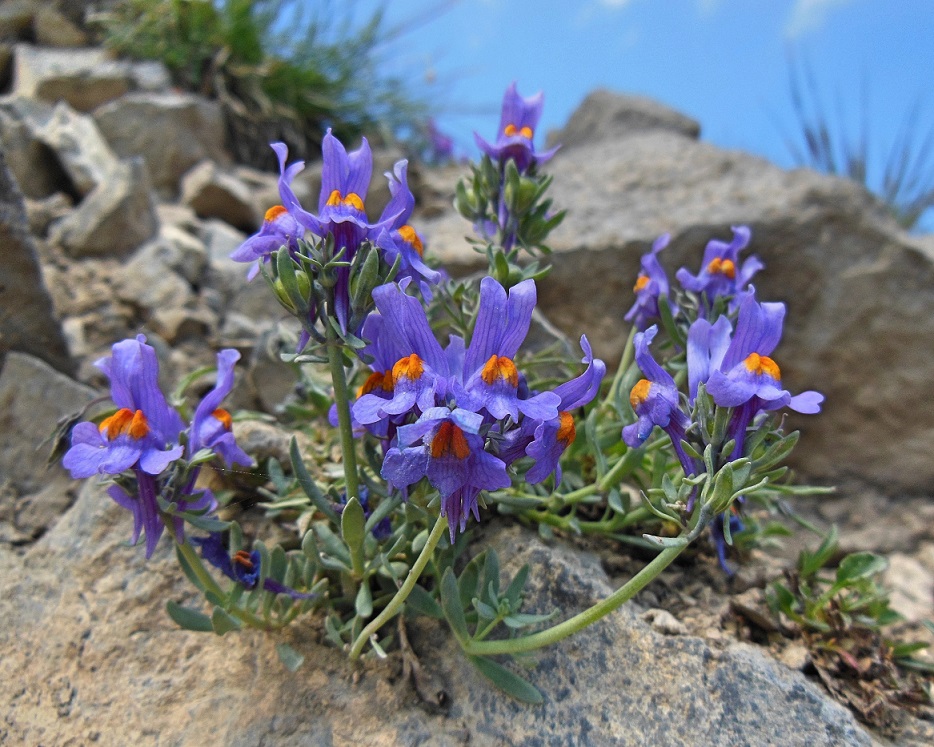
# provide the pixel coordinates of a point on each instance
(606, 115)
(33, 397)
(191, 129)
(211, 193)
(832, 254)
(27, 321)
(104, 664)
(115, 218)
(81, 150)
(85, 78)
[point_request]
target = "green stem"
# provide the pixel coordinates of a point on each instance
(578, 622)
(342, 403)
(624, 364)
(395, 604)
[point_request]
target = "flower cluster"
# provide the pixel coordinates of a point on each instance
(460, 415)
(342, 218)
(729, 357)
(149, 448)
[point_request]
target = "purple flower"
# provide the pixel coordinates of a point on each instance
(553, 436)
(461, 395)
(656, 401)
(706, 346)
(444, 446)
(651, 284)
(211, 425)
(243, 567)
(517, 124)
(747, 378)
(280, 227)
(144, 431)
(402, 241)
(144, 436)
(721, 273)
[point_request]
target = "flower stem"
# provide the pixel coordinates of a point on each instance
(624, 363)
(589, 616)
(342, 402)
(395, 604)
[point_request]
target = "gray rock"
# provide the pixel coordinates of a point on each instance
(42, 213)
(171, 131)
(16, 18)
(190, 259)
(150, 281)
(81, 150)
(27, 319)
(176, 325)
(607, 115)
(85, 78)
(33, 397)
(857, 287)
(150, 76)
(35, 167)
(101, 644)
(52, 29)
(114, 219)
(212, 193)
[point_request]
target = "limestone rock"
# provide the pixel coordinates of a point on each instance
(35, 167)
(607, 115)
(190, 129)
(33, 397)
(212, 193)
(102, 645)
(42, 213)
(150, 75)
(149, 280)
(16, 18)
(27, 319)
(84, 78)
(52, 29)
(114, 219)
(81, 150)
(190, 256)
(857, 287)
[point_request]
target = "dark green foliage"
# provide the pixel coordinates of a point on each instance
(282, 69)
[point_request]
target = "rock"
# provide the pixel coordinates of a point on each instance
(176, 325)
(81, 150)
(191, 129)
(910, 586)
(27, 319)
(271, 380)
(150, 76)
(42, 213)
(34, 166)
(33, 397)
(33, 514)
(149, 280)
(190, 258)
(662, 621)
(212, 193)
(101, 644)
(52, 29)
(264, 440)
(832, 253)
(16, 18)
(114, 219)
(607, 115)
(84, 78)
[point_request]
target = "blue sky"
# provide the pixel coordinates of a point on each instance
(723, 62)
